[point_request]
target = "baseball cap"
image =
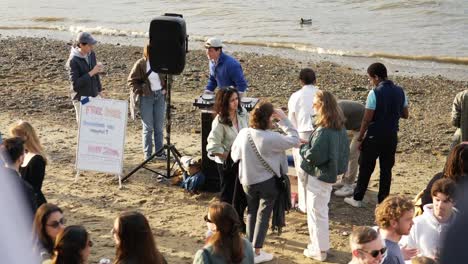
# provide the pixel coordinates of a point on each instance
(85, 37)
(213, 43)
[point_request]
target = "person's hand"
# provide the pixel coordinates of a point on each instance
(279, 114)
(102, 94)
(222, 156)
(408, 253)
(98, 68)
(163, 91)
(304, 141)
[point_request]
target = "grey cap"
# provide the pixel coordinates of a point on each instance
(213, 43)
(85, 37)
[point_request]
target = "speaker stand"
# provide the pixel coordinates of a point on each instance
(170, 148)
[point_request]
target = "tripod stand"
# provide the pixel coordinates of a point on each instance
(170, 148)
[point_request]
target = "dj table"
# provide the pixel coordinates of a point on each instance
(205, 103)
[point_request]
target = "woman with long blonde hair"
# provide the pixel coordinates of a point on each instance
(33, 168)
(325, 156)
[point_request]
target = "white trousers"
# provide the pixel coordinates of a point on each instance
(302, 176)
(318, 197)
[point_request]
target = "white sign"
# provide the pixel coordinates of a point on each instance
(101, 136)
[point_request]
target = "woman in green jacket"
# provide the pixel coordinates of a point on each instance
(325, 157)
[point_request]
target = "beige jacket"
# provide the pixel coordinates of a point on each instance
(460, 113)
(222, 136)
(139, 84)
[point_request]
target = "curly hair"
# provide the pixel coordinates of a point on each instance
(260, 116)
(221, 106)
(329, 115)
(392, 208)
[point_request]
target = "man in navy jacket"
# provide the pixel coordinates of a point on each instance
(225, 71)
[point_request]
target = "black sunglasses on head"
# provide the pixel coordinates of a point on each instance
(56, 224)
(375, 253)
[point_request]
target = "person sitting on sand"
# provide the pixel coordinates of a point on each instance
(134, 240)
(84, 70)
(225, 245)
(72, 246)
(48, 222)
(366, 246)
(34, 165)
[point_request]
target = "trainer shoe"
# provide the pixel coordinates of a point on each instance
(352, 202)
(262, 257)
(321, 257)
(161, 156)
(345, 191)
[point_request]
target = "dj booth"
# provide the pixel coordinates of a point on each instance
(205, 104)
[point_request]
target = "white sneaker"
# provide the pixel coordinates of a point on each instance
(352, 202)
(346, 190)
(262, 257)
(337, 185)
(321, 257)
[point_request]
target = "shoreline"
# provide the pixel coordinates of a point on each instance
(36, 87)
(396, 67)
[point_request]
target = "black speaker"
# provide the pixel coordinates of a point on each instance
(168, 44)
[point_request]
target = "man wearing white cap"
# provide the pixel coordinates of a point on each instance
(84, 70)
(225, 71)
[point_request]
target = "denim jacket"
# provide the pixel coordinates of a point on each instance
(226, 72)
(326, 155)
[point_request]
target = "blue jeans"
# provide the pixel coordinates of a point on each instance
(152, 109)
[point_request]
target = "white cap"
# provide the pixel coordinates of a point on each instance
(213, 43)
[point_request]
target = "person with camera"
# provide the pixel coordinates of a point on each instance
(84, 70)
(260, 151)
(225, 71)
(148, 89)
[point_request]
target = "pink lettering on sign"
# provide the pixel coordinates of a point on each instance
(94, 149)
(94, 110)
(115, 113)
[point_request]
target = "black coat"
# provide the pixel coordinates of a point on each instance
(82, 84)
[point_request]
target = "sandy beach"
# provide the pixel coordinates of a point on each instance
(35, 88)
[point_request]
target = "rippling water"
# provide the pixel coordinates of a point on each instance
(434, 30)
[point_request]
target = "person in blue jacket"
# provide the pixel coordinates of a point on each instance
(225, 71)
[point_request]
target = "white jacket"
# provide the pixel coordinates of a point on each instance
(426, 233)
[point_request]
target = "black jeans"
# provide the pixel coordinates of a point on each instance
(232, 191)
(383, 148)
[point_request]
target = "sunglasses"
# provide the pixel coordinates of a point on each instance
(207, 219)
(375, 253)
(56, 224)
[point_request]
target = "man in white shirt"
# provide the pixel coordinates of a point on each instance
(301, 112)
(429, 228)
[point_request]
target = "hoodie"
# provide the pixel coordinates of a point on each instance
(427, 232)
(79, 66)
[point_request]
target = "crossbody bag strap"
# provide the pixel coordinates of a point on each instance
(254, 147)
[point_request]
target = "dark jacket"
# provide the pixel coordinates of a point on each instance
(82, 84)
(26, 190)
(326, 155)
(460, 113)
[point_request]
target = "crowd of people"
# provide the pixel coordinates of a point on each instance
(329, 138)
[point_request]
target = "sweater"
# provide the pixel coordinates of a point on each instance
(271, 146)
(326, 155)
(222, 136)
(427, 233)
(201, 258)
